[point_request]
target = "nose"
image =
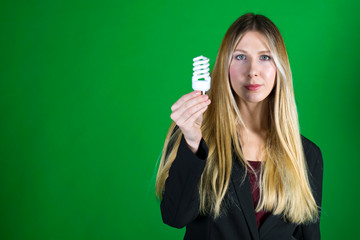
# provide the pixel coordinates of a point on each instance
(253, 69)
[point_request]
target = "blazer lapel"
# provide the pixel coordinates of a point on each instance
(268, 224)
(244, 196)
(272, 222)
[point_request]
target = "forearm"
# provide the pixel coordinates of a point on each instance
(180, 202)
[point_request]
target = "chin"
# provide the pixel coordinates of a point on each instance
(253, 99)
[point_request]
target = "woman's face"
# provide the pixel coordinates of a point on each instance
(252, 69)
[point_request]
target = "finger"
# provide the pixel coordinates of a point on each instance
(184, 98)
(192, 120)
(187, 108)
(188, 114)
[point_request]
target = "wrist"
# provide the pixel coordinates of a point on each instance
(193, 144)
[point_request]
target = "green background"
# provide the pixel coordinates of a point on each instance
(86, 89)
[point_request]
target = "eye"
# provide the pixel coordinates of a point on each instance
(265, 57)
(240, 57)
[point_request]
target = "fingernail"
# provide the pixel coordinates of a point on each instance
(198, 92)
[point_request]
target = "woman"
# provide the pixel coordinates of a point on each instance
(234, 165)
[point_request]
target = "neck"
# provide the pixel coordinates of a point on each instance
(255, 115)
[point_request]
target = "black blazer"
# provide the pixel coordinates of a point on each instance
(180, 203)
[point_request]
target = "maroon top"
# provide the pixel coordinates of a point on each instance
(254, 182)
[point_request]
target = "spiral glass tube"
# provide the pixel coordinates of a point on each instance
(201, 78)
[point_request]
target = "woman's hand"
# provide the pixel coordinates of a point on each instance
(187, 113)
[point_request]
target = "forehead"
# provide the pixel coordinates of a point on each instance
(253, 40)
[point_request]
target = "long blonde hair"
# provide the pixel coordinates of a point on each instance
(284, 185)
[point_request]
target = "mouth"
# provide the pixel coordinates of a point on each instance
(253, 87)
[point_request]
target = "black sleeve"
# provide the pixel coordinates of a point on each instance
(315, 166)
(180, 200)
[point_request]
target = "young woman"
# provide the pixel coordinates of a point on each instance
(234, 164)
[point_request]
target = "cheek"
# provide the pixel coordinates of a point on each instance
(269, 73)
(236, 71)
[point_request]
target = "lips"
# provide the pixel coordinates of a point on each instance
(253, 87)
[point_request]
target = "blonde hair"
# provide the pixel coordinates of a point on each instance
(284, 184)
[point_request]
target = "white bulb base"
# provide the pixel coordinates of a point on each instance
(201, 85)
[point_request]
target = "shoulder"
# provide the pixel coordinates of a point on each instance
(309, 146)
(312, 154)
(314, 162)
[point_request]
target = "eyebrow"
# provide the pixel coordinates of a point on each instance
(241, 50)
